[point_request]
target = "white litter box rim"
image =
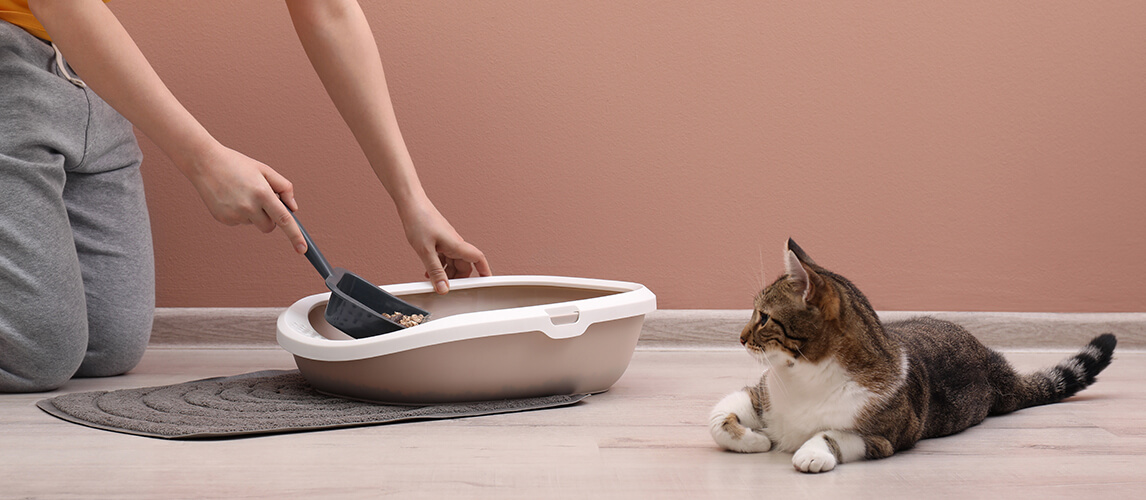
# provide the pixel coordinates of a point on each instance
(559, 320)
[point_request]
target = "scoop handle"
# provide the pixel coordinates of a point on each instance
(312, 254)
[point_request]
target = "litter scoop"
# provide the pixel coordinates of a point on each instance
(356, 306)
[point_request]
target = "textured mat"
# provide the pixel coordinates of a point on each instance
(267, 402)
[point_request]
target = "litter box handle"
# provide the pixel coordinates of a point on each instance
(564, 322)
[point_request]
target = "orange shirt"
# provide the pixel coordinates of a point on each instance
(17, 12)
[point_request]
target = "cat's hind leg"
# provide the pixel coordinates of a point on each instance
(735, 424)
(827, 449)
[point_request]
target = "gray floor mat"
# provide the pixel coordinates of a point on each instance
(267, 402)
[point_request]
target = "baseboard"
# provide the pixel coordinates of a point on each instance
(1003, 330)
(689, 328)
(238, 326)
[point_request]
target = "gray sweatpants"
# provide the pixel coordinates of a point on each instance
(77, 273)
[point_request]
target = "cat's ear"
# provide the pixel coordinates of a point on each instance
(817, 292)
(800, 253)
(798, 273)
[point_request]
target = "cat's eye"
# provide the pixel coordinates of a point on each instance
(784, 330)
(763, 319)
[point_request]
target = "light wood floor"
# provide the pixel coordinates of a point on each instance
(646, 438)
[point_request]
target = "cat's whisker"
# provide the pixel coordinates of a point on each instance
(763, 277)
(772, 372)
(756, 283)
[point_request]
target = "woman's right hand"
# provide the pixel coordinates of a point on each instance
(240, 190)
(235, 188)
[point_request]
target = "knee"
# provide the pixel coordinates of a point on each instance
(34, 380)
(30, 364)
(111, 363)
(116, 346)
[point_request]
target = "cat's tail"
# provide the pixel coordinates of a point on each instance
(1017, 391)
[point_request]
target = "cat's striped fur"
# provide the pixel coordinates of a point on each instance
(841, 386)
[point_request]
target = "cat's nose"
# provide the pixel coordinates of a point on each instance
(744, 334)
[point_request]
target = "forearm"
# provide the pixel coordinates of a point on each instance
(338, 41)
(107, 59)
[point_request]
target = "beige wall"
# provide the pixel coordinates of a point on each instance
(944, 155)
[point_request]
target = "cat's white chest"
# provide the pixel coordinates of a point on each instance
(807, 398)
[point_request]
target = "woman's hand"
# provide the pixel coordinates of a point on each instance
(240, 190)
(444, 253)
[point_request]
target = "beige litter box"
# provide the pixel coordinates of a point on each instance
(491, 338)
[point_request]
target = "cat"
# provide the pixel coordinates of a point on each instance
(841, 386)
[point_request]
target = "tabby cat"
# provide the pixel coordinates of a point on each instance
(840, 386)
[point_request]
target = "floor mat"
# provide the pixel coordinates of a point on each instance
(266, 402)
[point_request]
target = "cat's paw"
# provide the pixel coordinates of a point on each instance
(728, 429)
(730, 435)
(814, 457)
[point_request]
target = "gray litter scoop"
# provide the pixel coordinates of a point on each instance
(356, 306)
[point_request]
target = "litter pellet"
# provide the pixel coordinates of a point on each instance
(405, 320)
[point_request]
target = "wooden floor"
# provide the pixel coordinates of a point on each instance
(645, 438)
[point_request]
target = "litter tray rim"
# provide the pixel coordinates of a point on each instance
(630, 299)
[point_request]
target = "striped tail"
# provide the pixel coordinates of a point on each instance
(1057, 383)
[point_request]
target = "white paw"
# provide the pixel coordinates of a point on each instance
(742, 440)
(812, 458)
(726, 424)
(754, 441)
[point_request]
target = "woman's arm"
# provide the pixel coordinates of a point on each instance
(235, 188)
(342, 49)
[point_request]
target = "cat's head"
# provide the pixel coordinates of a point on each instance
(790, 317)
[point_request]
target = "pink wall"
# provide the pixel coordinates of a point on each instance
(945, 156)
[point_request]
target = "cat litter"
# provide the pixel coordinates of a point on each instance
(491, 338)
(406, 320)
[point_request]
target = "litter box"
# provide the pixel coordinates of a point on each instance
(490, 338)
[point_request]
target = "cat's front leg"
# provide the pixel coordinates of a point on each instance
(735, 425)
(827, 449)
